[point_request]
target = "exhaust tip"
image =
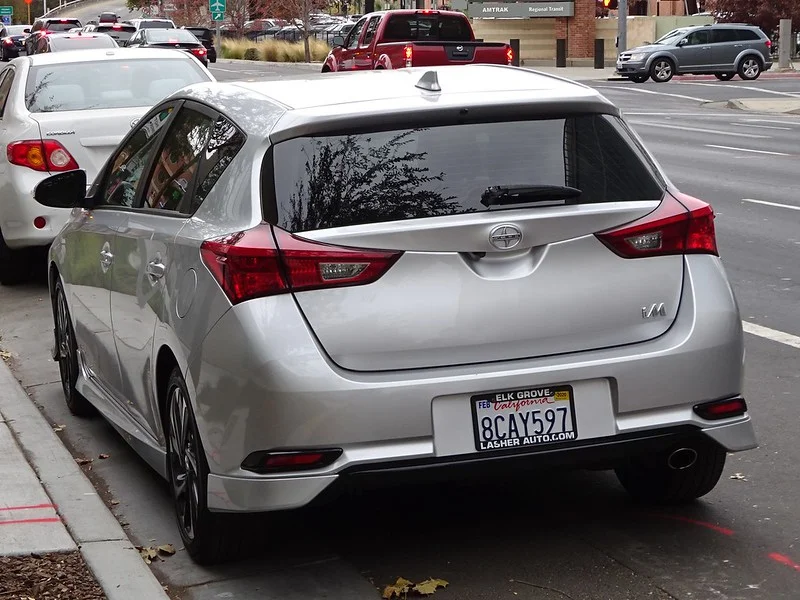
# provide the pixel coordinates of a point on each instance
(682, 458)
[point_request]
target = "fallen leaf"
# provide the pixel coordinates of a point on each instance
(429, 586)
(738, 476)
(148, 553)
(114, 502)
(58, 428)
(5, 355)
(83, 461)
(167, 549)
(104, 456)
(399, 588)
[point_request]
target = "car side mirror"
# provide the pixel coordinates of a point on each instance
(338, 41)
(63, 190)
(683, 42)
(26, 30)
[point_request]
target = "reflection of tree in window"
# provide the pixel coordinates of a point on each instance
(350, 180)
(225, 142)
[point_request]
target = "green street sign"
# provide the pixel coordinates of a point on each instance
(217, 6)
(6, 11)
(217, 16)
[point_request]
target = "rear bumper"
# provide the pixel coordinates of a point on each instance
(261, 382)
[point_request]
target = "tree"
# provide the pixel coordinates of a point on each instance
(353, 179)
(298, 12)
(764, 13)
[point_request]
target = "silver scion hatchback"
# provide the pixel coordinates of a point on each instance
(274, 289)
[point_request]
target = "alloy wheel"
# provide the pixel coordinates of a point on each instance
(64, 340)
(663, 70)
(751, 68)
(184, 459)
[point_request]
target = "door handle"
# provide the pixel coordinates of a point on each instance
(156, 269)
(738, 45)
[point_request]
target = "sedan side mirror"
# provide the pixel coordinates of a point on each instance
(338, 41)
(63, 190)
(26, 30)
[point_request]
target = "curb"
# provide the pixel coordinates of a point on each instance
(740, 104)
(109, 554)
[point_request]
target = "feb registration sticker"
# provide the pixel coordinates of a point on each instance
(525, 417)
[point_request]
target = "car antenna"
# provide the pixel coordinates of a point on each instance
(429, 81)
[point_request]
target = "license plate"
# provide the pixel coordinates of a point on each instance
(524, 417)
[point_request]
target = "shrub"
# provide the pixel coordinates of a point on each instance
(251, 53)
(274, 50)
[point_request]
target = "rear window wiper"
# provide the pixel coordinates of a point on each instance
(500, 195)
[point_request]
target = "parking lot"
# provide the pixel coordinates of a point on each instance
(548, 534)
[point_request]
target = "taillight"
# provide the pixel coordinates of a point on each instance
(198, 51)
(254, 263)
(8, 41)
(769, 44)
(721, 409)
(292, 460)
(40, 155)
(408, 52)
(682, 225)
(510, 55)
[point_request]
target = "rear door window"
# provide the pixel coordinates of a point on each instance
(725, 35)
(343, 180)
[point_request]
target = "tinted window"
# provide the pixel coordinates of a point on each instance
(201, 34)
(6, 81)
(427, 27)
(355, 33)
(748, 35)
(174, 172)
(64, 25)
(698, 37)
(108, 84)
(128, 166)
(726, 35)
(156, 25)
(225, 142)
(120, 33)
(169, 36)
(82, 42)
(370, 33)
(428, 172)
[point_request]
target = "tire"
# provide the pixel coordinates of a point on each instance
(209, 538)
(67, 355)
(650, 480)
(639, 78)
(724, 76)
(662, 70)
(750, 68)
(14, 264)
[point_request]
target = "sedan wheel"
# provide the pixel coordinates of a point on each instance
(662, 70)
(67, 356)
(750, 69)
(208, 537)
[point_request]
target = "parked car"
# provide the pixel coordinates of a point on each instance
(65, 111)
(170, 38)
(120, 32)
(107, 17)
(722, 50)
(44, 26)
(422, 292)
(152, 23)
(60, 42)
(412, 38)
(206, 37)
(13, 41)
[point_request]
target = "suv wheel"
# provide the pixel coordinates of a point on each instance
(749, 68)
(724, 76)
(662, 70)
(681, 475)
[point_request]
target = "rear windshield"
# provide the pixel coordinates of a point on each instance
(156, 25)
(201, 34)
(171, 36)
(107, 84)
(120, 34)
(336, 181)
(62, 25)
(81, 42)
(17, 29)
(401, 28)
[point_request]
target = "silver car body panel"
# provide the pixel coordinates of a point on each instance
(261, 375)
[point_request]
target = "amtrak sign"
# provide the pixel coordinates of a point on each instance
(517, 10)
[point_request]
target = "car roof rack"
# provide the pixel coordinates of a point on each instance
(430, 82)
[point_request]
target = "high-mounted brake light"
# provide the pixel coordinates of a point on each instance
(265, 261)
(41, 155)
(682, 225)
(408, 53)
(116, 26)
(510, 55)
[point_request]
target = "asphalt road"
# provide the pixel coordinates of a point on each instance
(556, 535)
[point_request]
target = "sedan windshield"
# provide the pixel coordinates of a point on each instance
(108, 84)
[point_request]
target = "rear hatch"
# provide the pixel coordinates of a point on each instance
(496, 223)
(431, 54)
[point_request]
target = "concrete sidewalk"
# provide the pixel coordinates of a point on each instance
(48, 505)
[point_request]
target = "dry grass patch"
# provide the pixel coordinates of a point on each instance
(274, 50)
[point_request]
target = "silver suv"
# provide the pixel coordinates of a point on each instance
(721, 50)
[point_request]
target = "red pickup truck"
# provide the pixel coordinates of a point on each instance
(395, 39)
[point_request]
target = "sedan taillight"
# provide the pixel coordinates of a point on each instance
(41, 155)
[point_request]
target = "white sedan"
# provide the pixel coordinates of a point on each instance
(65, 111)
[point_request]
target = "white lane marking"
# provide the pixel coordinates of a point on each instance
(631, 89)
(698, 130)
(772, 121)
(741, 87)
(771, 334)
(761, 126)
(221, 69)
(765, 203)
(747, 150)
